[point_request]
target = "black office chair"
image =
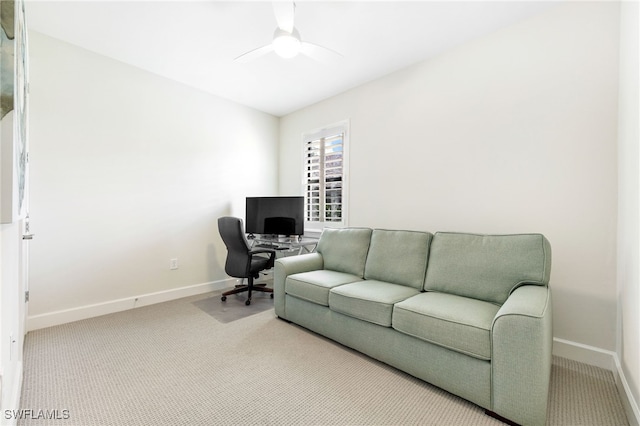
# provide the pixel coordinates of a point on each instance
(242, 260)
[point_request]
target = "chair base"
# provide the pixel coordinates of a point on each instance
(248, 288)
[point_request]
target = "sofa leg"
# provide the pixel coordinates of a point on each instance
(499, 417)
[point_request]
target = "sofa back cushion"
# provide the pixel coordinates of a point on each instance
(487, 267)
(398, 257)
(345, 250)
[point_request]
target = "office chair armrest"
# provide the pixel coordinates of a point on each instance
(262, 250)
(272, 255)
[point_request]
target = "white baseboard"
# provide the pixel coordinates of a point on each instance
(630, 405)
(51, 319)
(604, 359)
(584, 353)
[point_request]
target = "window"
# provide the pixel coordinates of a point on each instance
(325, 177)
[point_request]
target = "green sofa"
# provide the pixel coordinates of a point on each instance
(468, 313)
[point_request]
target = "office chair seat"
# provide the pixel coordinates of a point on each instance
(259, 264)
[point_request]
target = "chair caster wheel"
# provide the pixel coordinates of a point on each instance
(248, 302)
(223, 298)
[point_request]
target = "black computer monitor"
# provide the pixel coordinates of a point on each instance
(275, 215)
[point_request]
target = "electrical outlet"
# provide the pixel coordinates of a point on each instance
(173, 263)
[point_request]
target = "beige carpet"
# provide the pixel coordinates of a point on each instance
(174, 364)
(234, 307)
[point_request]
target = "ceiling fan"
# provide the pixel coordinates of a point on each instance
(287, 42)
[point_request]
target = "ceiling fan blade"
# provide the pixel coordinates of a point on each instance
(319, 53)
(285, 12)
(254, 54)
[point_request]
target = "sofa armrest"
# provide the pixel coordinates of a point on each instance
(288, 266)
(521, 344)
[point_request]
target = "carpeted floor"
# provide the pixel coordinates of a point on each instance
(234, 307)
(175, 364)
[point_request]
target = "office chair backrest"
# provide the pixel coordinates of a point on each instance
(238, 259)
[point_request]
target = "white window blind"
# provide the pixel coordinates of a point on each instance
(325, 177)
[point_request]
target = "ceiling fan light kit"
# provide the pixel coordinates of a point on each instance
(286, 45)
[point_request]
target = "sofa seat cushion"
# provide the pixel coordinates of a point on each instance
(314, 286)
(369, 300)
(455, 322)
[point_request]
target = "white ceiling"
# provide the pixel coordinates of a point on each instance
(195, 42)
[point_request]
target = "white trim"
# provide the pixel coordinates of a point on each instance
(50, 319)
(584, 353)
(604, 359)
(327, 131)
(630, 405)
(313, 233)
(14, 398)
(342, 126)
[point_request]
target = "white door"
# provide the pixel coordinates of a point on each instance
(14, 228)
(23, 277)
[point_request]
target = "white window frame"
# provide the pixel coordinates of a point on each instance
(326, 132)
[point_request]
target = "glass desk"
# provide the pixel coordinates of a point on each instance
(288, 246)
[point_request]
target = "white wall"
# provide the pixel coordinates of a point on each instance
(129, 170)
(628, 209)
(512, 132)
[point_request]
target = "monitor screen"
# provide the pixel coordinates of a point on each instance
(275, 215)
